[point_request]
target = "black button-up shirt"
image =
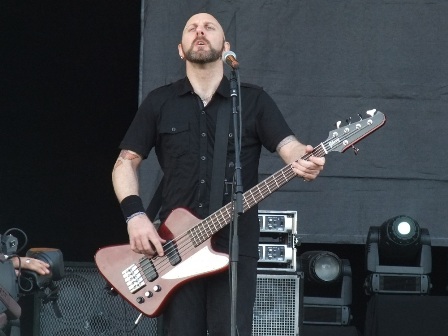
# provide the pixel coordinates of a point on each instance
(173, 120)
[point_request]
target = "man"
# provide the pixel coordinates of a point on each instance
(179, 121)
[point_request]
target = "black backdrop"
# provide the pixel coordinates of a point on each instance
(324, 61)
(69, 89)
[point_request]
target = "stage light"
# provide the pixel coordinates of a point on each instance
(399, 240)
(399, 257)
(327, 288)
(321, 266)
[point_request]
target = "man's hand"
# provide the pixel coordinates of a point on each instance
(31, 264)
(143, 236)
(310, 169)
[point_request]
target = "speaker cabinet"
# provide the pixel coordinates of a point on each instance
(88, 309)
(277, 309)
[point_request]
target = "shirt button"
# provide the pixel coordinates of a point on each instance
(203, 158)
(202, 112)
(202, 181)
(200, 205)
(173, 129)
(203, 134)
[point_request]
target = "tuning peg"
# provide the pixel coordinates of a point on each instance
(371, 112)
(338, 124)
(355, 150)
(360, 116)
(349, 120)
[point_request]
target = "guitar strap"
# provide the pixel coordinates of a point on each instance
(218, 170)
(220, 156)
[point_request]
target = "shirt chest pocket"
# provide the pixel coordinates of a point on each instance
(175, 139)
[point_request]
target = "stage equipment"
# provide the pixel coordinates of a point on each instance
(398, 257)
(9, 308)
(327, 288)
(89, 307)
(26, 282)
(278, 304)
(31, 281)
(278, 240)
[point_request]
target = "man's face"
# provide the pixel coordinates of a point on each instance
(202, 39)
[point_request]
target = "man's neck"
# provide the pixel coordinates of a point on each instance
(205, 78)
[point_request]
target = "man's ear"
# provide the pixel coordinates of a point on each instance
(181, 52)
(226, 46)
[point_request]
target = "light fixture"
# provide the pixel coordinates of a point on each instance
(398, 257)
(327, 292)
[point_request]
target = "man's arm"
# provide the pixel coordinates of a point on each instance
(125, 174)
(143, 236)
(291, 150)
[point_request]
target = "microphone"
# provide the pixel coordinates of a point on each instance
(229, 58)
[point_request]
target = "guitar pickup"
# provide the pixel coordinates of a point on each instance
(172, 253)
(148, 269)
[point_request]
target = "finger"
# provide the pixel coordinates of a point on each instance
(143, 246)
(133, 245)
(42, 270)
(158, 247)
(318, 161)
(309, 149)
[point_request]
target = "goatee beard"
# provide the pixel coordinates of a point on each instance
(203, 57)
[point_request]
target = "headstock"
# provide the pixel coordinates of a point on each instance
(344, 137)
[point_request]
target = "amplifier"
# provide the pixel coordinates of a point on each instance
(277, 221)
(278, 304)
(276, 248)
(88, 309)
(275, 253)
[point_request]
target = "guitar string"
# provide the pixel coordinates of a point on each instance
(183, 242)
(184, 246)
(264, 186)
(180, 244)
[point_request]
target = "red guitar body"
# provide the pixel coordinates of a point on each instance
(153, 294)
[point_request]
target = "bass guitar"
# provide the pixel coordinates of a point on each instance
(148, 282)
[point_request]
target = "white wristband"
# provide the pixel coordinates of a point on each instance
(135, 215)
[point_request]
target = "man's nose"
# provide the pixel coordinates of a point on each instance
(199, 31)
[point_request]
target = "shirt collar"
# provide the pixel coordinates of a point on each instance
(183, 86)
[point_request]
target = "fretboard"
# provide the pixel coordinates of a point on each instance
(221, 217)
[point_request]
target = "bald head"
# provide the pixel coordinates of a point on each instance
(203, 40)
(206, 19)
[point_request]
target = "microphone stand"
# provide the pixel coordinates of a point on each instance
(237, 201)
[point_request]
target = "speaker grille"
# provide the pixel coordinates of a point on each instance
(276, 309)
(88, 309)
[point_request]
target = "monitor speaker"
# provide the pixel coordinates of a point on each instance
(277, 309)
(88, 309)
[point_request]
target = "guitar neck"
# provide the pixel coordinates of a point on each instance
(220, 218)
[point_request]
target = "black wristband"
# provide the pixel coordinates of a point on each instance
(131, 205)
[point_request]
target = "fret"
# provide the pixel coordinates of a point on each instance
(253, 197)
(216, 221)
(214, 225)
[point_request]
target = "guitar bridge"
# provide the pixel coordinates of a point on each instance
(133, 278)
